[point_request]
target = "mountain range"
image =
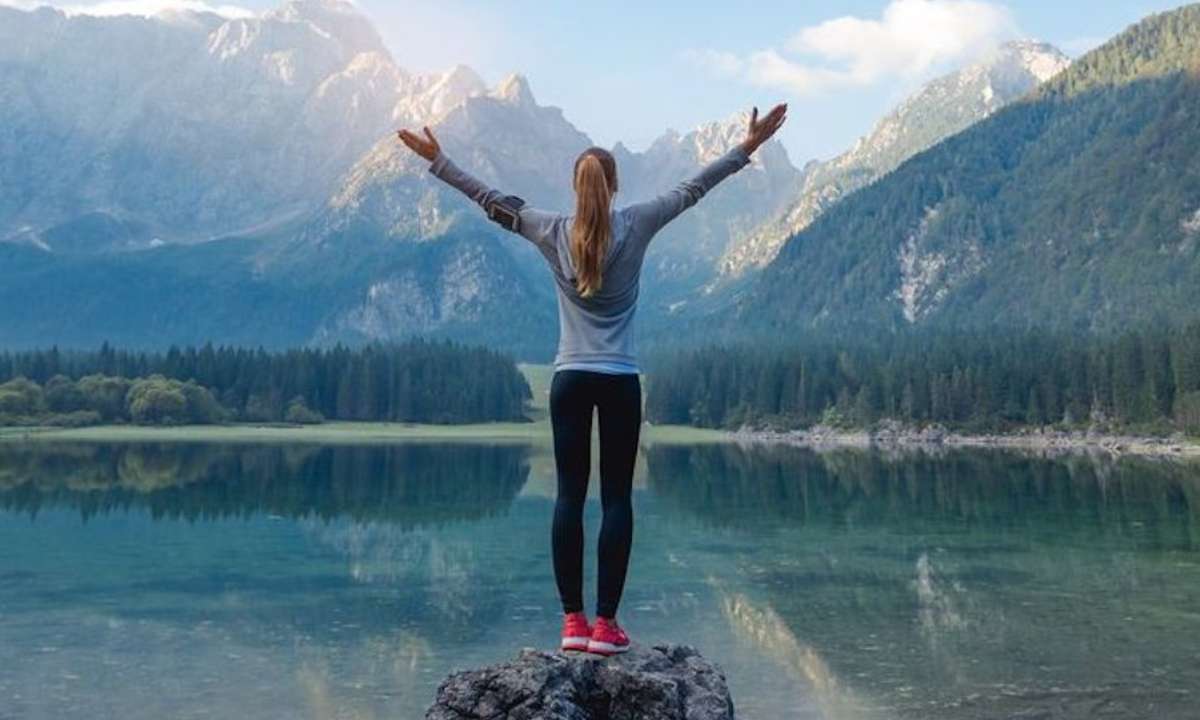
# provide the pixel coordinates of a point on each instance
(246, 188)
(255, 159)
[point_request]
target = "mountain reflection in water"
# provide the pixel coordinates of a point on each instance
(345, 581)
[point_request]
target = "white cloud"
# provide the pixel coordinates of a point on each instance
(143, 8)
(909, 40)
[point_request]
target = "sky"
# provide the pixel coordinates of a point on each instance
(627, 70)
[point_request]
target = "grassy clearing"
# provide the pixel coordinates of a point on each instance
(532, 433)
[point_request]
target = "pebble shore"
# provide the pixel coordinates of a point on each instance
(897, 437)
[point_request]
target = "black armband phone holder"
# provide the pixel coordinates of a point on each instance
(506, 212)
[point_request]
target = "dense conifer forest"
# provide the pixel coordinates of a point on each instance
(417, 381)
(976, 381)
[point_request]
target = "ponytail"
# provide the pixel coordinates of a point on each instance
(595, 180)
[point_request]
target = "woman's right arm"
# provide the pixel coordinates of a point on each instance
(649, 217)
(536, 225)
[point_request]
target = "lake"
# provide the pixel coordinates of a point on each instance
(177, 580)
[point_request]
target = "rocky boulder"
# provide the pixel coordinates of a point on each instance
(663, 682)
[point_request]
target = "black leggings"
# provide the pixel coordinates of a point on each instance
(573, 394)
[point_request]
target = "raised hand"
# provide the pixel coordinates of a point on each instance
(427, 147)
(761, 131)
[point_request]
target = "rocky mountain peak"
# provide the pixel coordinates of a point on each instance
(461, 82)
(296, 10)
(337, 20)
(1042, 60)
(514, 89)
(428, 98)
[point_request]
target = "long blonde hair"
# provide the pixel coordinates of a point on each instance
(595, 183)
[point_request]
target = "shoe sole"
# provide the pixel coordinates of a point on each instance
(576, 644)
(606, 649)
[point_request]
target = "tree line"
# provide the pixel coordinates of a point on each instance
(967, 380)
(414, 381)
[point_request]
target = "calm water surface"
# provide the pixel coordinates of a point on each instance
(235, 581)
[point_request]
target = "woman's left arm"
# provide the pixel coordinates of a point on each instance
(649, 217)
(535, 225)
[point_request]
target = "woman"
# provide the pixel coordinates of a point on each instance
(596, 258)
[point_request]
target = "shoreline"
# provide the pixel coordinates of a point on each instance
(1041, 440)
(537, 432)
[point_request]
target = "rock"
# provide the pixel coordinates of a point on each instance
(663, 682)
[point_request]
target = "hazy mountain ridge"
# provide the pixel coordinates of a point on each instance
(237, 123)
(278, 127)
(940, 109)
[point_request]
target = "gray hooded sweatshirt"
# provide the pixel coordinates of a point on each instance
(599, 330)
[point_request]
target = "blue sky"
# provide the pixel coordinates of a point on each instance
(629, 69)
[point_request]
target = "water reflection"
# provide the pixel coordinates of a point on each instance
(321, 582)
(1157, 500)
(300, 581)
(964, 584)
(403, 484)
(760, 624)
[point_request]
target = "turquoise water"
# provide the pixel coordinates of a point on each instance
(197, 581)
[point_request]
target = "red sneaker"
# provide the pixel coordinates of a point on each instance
(608, 638)
(576, 632)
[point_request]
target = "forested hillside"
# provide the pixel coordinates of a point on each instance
(1078, 208)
